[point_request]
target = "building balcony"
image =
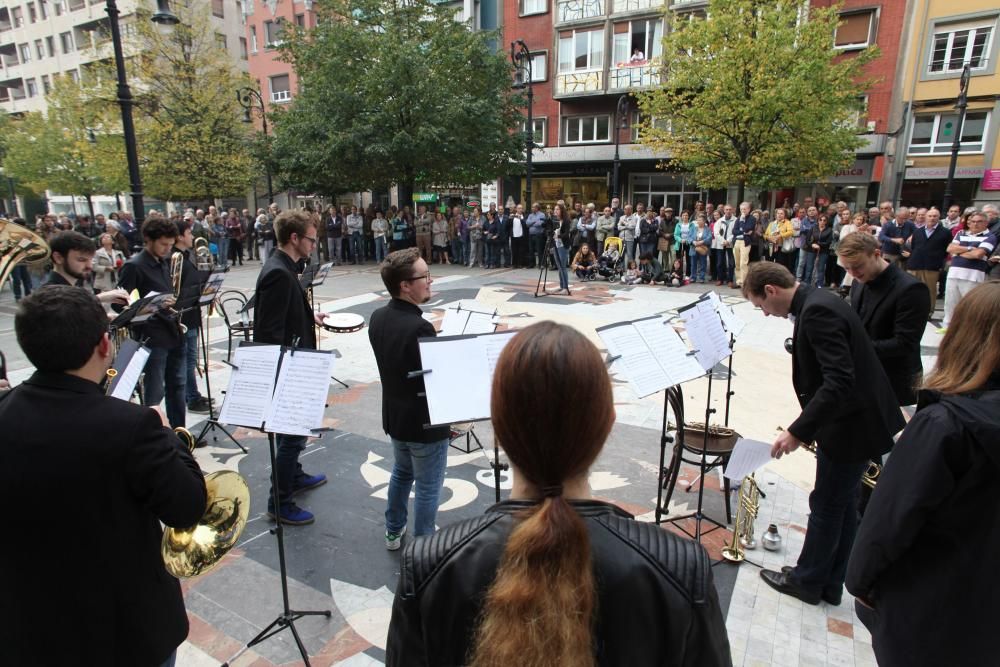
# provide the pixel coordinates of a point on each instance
(579, 83)
(625, 76)
(568, 11)
(628, 6)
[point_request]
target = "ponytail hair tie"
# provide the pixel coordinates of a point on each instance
(553, 491)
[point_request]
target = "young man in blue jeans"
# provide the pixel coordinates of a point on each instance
(421, 454)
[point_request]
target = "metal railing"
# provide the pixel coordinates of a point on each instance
(580, 82)
(576, 10)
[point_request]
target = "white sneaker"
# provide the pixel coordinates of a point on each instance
(394, 540)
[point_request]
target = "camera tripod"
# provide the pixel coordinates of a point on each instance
(541, 288)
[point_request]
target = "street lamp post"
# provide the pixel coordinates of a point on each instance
(956, 145)
(621, 122)
(251, 100)
(520, 56)
(164, 17)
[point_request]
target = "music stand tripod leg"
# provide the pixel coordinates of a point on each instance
(288, 616)
(211, 423)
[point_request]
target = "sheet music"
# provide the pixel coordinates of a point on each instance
(154, 303)
(454, 322)
(300, 393)
(481, 323)
(747, 456)
(128, 377)
(251, 385)
(640, 367)
(706, 333)
(493, 346)
(321, 274)
(733, 323)
(458, 385)
(212, 287)
(669, 350)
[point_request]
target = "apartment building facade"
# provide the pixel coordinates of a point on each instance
(587, 54)
(44, 39)
(944, 37)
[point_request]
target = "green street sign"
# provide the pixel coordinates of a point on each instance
(428, 197)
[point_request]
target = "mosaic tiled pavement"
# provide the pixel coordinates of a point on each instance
(340, 562)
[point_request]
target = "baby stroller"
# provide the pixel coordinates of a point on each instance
(611, 264)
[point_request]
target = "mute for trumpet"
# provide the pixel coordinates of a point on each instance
(771, 538)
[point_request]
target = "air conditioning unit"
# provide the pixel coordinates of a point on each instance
(871, 126)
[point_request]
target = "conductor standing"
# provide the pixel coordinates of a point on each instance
(283, 316)
(848, 409)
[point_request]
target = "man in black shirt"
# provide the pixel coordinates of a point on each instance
(149, 271)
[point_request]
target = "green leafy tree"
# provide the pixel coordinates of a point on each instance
(757, 94)
(192, 143)
(394, 91)
(73, 148)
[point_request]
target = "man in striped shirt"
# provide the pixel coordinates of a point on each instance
(968, 262)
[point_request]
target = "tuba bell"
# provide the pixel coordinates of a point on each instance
(189, 552)
(203, 254)
(19, 244)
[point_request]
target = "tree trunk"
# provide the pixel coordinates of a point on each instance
(740, 192)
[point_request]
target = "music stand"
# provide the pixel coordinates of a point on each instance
(288, 616)
(212, 423)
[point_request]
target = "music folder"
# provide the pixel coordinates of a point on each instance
(211, 287)
(278, 389)
(130, 360)
(458, 375)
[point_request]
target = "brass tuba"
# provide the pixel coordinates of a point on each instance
(203, 254)
(189, 552)
(19, 244)
(746, 512)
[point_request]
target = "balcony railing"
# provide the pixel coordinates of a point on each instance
(621, 6)
(580, 82)
(576, 10)
(634, 75)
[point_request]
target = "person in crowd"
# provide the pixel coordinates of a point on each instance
(586, 227)
(148, 271)
(604, 227)
(552, 576)
(423, 226)
(675, 277)
(355, 223)
(665, 236)
(626, 230)
(191, 287)
(928, 250)
(518, 238)
(335, 235)
(234, 237)
(650, 270)
(647, 233)
(250, 239)
(832, 358)
(780, 235)
(439, 232)
(536, 235)
(722, 247)
(585, 263)
(420, 454)
(969, 251)
(458, 233)
(284, 316)
(834, 274)
(501, 241)
(807, 221)
(820, 239)
(265, 232)
(608, 261)
(560, 244)
(939, 488)
(218, 238)
(895, 234)
(490, 234)
(632, 273)
(683, 235)
(762, 249)
(477, 223)
(701, 241)
(118, 240)
(106, 263)
(745, 236)
(380, 233)
(120, 471)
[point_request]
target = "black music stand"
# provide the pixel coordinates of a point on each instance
(212, 423)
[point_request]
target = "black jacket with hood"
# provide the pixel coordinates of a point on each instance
(925, 554)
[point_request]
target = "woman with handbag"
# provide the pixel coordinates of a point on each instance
(783, 239)
(106, 262)
(701, 239)
(683, 234)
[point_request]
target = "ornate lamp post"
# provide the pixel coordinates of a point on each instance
(956, 145)
(520, 56)
(621, 123)
(163, 17)
(251, 100)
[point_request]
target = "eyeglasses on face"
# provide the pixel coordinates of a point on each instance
(426, 276)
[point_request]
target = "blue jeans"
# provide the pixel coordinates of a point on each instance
(379, 249)
(287, 467)
(537, 244)
(20, 278)
(223, 244)
(423, 463)
(357, 247)
(649, 248)
(800, 264)
(165, 377)
(808, 261)
(456, 251)
(821, 269)
(723, 260)
(630, 249)
(698, 266)
(833, 522)
(191, 392)
(562, 260)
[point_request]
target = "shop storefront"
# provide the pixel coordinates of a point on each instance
(853, 185)
(923, 186)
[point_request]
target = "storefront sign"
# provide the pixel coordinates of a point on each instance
(859, 172)
(427, 197)
(937, 173)
(991, 179)
(472, 204)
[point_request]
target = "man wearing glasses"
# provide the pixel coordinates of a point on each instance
(421, 454)
(283, 316)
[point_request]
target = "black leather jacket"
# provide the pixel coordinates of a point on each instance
(656, 601)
